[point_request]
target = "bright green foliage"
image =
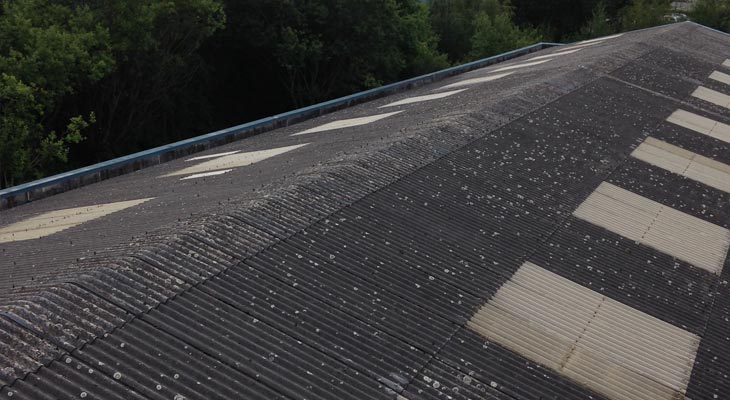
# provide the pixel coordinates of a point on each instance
(498, 34)
(644, 14)
(712, 13)
(46, 50)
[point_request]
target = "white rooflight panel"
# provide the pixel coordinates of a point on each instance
(418, 99)
(347, 123)
(688, 238)
(521, 65)
(234, 161)
(56, 221)
(683, 162)
(475, 81)
(607, 346)
(700, 124)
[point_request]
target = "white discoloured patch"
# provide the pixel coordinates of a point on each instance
(347, 123)
(601, 39)
(557, 54)
(712, 96)
(213, 155)
(688, 238)
(598, 342)
(474, 81)
(720, 77)
(522, 65)
(418, 99)
(686, 163)
(580, 46)
(234, 161)
(703, 125)
(206, 174)
(56, 221)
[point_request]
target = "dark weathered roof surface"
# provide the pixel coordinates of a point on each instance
(458, 249)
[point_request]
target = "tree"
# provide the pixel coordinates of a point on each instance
(561, 20)
(498, 34)
(152, 96)
(598, 26)
(712, 13)
(644, 14)
(454, 23)
(47, 49)
(280, 54)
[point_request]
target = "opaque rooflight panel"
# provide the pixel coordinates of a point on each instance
(234, 161)
(726, 63)
(700, 124)
(347, 123)
(213, 155)
(608, 347)
(581, 46)
(683, 162)
(712, 96)
(418, 99)
(720, 77)
(522, 65)
(600, 39)
(557, 54)
(688, 238)
(206, 174)
(57, 221)
(475, 81)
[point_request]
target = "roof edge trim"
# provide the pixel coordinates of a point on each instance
(55, 184)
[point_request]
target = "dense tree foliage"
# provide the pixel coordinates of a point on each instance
(644, 13)
(86, 80)
(713, 13)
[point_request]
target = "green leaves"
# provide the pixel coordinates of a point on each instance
(498, 34)
(47, 50)
(644, 14)
(712, 13)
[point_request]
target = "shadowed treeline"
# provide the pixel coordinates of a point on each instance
(82, 81)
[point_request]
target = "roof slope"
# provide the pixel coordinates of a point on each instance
(559, 231)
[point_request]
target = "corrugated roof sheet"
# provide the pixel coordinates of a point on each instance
(351, 267)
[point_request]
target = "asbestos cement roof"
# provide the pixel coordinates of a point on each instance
(554, 226)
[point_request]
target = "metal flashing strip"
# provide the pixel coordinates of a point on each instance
(57, 221)
(347, 123)
(700, 124)
(611, 348)
(683, 162)
(688, 238)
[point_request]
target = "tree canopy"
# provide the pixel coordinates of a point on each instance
(82, 81)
